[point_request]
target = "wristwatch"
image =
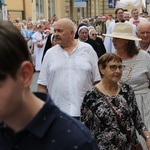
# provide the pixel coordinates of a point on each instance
(147, 137)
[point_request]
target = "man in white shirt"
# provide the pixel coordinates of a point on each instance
(136, 19)
(143, 32)
(69, 69)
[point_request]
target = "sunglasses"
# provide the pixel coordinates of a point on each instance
(114, 67)
(94, 34)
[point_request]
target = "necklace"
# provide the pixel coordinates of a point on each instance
(129, 70)
(108, 94)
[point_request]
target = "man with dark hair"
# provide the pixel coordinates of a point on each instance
(31, 121)
(118, 18)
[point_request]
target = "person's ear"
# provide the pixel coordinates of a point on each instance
(26, 73)
(72, 33)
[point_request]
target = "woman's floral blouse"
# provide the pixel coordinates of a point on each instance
(102, 122)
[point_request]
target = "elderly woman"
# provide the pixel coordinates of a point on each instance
(137, 70)
(98, 40)
(109, 100)
(82, 34)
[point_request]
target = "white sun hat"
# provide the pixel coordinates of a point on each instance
(123, 31)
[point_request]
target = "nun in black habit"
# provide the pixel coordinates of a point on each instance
(82, 34)
(49, 43)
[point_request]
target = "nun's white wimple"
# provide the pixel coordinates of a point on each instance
(82, 27)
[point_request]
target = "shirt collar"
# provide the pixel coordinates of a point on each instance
(41, 122)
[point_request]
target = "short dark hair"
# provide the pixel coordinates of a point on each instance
(106, 58)
(13, 50)
(118, 10)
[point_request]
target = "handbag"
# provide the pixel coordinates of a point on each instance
(137, 146)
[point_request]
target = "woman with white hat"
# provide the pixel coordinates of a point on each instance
(137, 69)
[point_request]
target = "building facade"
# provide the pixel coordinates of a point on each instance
(35, 8)
(62, 8)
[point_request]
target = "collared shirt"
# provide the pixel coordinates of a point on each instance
(148, 49)
(136, 22)
(69, 76)
(50, 129)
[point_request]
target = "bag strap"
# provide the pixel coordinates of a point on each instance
(118, 117)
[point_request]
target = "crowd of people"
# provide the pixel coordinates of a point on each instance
(93, 80)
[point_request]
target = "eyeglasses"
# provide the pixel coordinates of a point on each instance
(114, 67)
(94, 34)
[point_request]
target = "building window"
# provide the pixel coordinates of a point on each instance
(39, 9)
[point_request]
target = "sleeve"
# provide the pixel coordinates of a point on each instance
(43, 80)
(34, 40)
(107, 40)
(136, 115)
(94, 63)
(147, 64)
(86, 112)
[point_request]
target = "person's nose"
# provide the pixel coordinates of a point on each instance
(145, 34)
(85, 34)
(118, 70)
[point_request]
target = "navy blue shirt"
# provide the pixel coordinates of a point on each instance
(50, 129)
